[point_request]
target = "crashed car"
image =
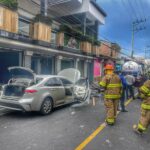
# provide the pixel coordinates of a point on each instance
(26, 91)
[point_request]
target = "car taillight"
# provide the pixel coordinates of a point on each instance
(30, 91)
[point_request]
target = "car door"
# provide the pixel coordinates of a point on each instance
(82, 90)
(68, 86)
(56, 90)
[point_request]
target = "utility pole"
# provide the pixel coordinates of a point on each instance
(135, 29)
(44, 7)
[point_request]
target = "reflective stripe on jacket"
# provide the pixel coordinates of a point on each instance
(145, 92)
(144, 89)
(145, 106)
(107, 96)
(112, 85)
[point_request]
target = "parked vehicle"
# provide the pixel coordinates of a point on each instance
(26, 91)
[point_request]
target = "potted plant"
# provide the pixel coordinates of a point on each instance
(96, 47)
(60, 39)
(41, 28)
(86, 44)
(8, 8)
(11, 4)
(115, 50)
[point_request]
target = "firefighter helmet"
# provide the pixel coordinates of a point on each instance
(109, 67)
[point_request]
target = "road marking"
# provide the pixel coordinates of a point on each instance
(128, 102)
(91, 137)
(96, 132)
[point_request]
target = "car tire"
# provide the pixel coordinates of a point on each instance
(47, 106)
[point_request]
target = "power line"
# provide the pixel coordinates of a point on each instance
(139, 8)
(127, 9)
(132, 8)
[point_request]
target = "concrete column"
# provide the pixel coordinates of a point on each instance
(58, 64)
(39, 67)
(44, 7)
(76, 63)
(85, 68)
(83, 25)
(27, 61)
(27, 58)
(96, 29)
(20, 59)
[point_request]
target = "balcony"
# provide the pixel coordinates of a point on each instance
(70, 9)
(75, 3)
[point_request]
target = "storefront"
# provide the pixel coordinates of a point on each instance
(97, 70)
(81, 67)
(8, 59)
(42, 64)
(90, 69)
(67, 63)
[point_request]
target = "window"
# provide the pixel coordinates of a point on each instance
(53, 37)
(65, 82)
(24, 27)
(53, 82)
(67, 63)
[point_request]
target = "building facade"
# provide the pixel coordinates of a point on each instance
(61, 40)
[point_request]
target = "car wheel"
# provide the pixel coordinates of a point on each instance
(46, 106)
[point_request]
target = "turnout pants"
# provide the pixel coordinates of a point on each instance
(144, 120)
(111, 110)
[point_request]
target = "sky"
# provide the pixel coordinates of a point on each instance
(118, 25)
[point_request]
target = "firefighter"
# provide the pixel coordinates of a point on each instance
(145, 109)
(112, 86)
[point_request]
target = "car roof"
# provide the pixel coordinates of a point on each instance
(49, 76)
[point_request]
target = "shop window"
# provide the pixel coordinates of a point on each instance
(53, 38)
(24, 27)
(67, 63)
(46, 65)
(81, 67)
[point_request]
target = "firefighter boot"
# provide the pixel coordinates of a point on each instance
(136, 130)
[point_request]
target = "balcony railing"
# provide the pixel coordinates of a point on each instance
(57, 2)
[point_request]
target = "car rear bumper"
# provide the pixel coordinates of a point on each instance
(15, 105)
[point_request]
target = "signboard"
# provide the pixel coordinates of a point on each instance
(97, 68)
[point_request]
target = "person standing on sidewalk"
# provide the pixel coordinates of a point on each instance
(123, 95)
(145, 109)
(130, 79)
(112, 86)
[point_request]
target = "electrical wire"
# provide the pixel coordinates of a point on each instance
(129, 11)
(132, 8)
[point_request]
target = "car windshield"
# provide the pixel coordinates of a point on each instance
(81, 82)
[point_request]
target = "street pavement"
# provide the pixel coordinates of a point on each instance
(69, 128)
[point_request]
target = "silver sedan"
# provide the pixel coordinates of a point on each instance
(26, 91)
